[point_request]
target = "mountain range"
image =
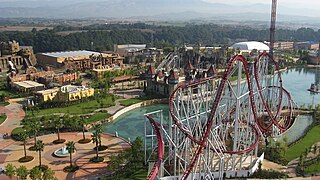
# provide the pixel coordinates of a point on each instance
(162, 10)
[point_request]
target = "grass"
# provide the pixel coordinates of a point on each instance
(16, 132)
(313, 168)
(138, 175)
(3, 117)
(312, 136)
(4, 103)
(129, 102)
(97, 117)
(81, 108)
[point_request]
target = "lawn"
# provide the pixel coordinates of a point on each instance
(98, 116)
(3, 117)
(312, 169)
(128, 102)
(138, 175)
(299, 148)
(4, 103)
(81, 108)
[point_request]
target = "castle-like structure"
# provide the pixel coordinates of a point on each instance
(163, 82)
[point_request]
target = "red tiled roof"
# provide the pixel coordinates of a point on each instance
(124, 78)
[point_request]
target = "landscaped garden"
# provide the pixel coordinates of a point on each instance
(97, 117)
(79, 108)
(295, 150)
(313, 168)
(129, 102)
(3, 117)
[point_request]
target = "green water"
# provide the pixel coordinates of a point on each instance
(131, 124)
(296, 81)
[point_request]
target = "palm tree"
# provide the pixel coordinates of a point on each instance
(24, 136)
(22, 172)
(39, 148)
(10, 170)
(98, 129)
(48, 174)
(58, 124)
(34, 126)
(71, 149)
(35, 173)
(96, 139)
(84, 122)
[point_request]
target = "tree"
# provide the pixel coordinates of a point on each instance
(58, 124)
(10, 170)
(98, 129)
(24, 136)
(22, 172)
(33, 125)
(84, 122)
(35, 173)
(39, 148)
(48, 174)
(71, 149)
(136, 157)
(96, 139)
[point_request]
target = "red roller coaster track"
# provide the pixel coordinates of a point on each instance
(153, 173)
(201, 142)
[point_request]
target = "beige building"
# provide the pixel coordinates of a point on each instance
(56, 59)
(284, 45)
(308, 45)
(27, 86)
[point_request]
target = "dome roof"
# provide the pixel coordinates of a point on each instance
(250, 45)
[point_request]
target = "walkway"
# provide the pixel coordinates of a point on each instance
(14, 114)
(113, 109)
(84, 152)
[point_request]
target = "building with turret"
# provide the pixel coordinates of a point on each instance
(163, 83)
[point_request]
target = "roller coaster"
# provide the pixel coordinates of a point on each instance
(217, 123)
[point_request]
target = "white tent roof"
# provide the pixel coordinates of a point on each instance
(250, 45)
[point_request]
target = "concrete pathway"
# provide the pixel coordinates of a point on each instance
(113, 109)
(12, 152)
(14, 114)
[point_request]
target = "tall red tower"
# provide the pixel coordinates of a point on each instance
(273, 25)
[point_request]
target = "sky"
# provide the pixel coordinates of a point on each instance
(309, 4)
(285, 7)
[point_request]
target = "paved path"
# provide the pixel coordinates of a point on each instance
(12, 152)
(14, 114)
(113, 109)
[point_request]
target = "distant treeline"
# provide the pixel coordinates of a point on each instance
(106, 35)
